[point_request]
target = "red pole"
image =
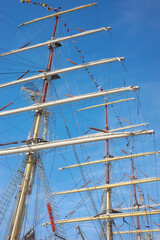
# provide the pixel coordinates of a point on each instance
(51, 52)
(45, 86)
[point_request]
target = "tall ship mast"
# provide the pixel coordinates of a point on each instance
(79, 160)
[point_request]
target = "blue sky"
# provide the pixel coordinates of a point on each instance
(135, 32)
(135, 35)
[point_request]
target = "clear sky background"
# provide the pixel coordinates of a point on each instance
(135, 35)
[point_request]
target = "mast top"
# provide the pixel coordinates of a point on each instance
(58, 13)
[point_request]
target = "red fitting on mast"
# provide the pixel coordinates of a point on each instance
(23, 74)
(6, 105)
(86, 183)
(51, 216)
(25, 45)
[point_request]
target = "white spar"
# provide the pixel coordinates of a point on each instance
(53, 41)
(68, 100)
(104, 160)
(72, 141)
(58, 13)
(127, 127)
(69, 69)
(106, 104)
